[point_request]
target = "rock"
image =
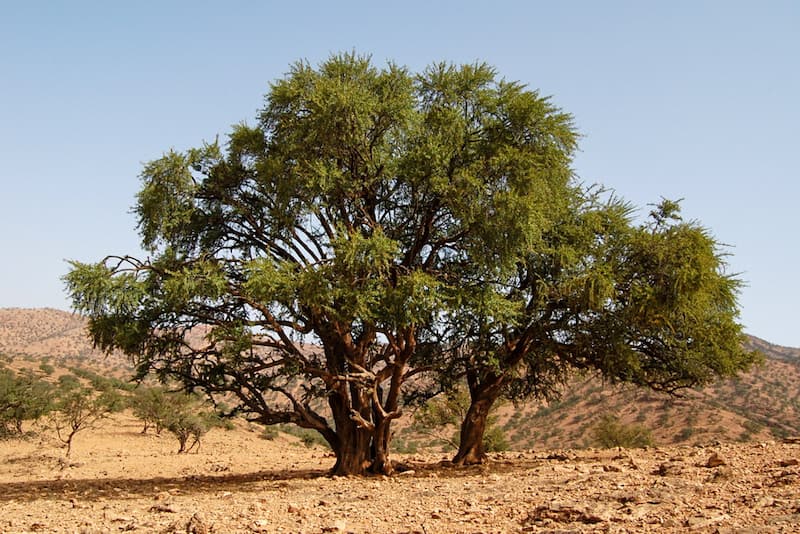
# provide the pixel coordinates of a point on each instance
(669, 469)
(720, 474)
(338, 526)
(703, 522)
(765, 502)
(197, 525)
(715, 460)
(162, 508)
(260, 525)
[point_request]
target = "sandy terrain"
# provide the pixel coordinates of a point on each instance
(120, 480)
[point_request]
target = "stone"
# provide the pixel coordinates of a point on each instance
(715, 460)
(197, 525)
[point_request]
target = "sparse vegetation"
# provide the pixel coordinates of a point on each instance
(77, 408)
(23, 397)
(152, 406)
(611, 432)
(440, 418)
(719, 409)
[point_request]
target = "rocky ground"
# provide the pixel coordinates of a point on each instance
(120, 480)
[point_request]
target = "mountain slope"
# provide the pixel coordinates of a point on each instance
(760, 405)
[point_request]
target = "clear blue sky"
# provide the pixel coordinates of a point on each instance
(680, 99)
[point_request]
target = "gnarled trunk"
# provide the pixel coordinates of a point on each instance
(483, 393)
(352, 456)
(381, 464)
(351, 443)
(473, 427)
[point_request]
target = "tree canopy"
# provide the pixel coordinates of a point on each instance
(374, 225)
(648, 304)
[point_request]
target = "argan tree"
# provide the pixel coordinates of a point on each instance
(77, 408)
(648, 304)
(151, 404)
(303, 267)
(188, 418)
(24, 396)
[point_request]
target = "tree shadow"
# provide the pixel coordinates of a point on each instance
(258, 481)
(122, 488)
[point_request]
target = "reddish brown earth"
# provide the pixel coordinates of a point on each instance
(120, 480)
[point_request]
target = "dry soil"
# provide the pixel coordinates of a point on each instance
(120, 480)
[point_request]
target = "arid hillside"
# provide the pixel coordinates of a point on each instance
(764, 404)
(120, 480)
(33, 335)
(244, 478)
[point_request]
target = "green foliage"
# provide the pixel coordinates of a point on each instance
(685, 434)
(406, 446)
(269, 433)
(23, 397)
(189, 418)
(402, 222)
(152, 405)
(611, 432)
(77, 408)
(494, 439)
(186, 416)
(100, 382)
(307, 437)
(437, 418)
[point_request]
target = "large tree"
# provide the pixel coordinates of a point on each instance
(649, 304)
(304, 268)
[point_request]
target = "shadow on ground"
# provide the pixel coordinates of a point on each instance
(121, 488)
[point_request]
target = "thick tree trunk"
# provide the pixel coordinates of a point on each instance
(352, 457)
(352, 443)
(381, 464)
(483, 394)
(470, 448)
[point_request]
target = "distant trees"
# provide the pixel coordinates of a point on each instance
(151, 404)
(404, 224)
(610, 432)
(77, 408)
(23, 397)
(186, 416)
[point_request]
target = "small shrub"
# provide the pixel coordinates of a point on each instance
(269, 433)
(494, 439)
(189, 417)
(405, 447)
(78, 408)
(685, 434)
(610, 432)
(23, 397)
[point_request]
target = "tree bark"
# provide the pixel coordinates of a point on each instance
(352, 443)
(483, 394)
(381, 464)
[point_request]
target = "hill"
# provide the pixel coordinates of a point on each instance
(761, 405)
(30, 336)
